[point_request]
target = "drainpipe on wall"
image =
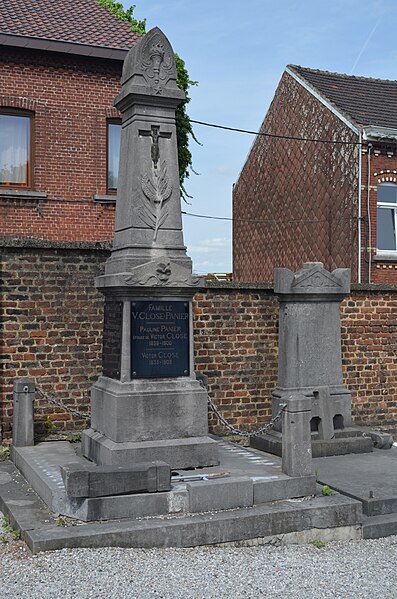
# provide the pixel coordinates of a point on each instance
(360, 158)
(369, 214)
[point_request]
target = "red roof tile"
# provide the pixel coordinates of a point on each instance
(364, 101)
(76, 21)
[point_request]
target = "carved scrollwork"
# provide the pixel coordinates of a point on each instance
(157, 63)
(161, 274)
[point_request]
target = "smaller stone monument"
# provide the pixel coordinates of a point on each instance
(310, 358)
(148, 404)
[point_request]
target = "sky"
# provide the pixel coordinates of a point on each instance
(237, 51)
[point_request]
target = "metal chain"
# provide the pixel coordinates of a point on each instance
(236, 431)
(56, 402)
(264, 429)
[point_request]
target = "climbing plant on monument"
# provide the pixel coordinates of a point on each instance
(184, 128)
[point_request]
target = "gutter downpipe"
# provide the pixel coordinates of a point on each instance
(369, 214)
(360, 159)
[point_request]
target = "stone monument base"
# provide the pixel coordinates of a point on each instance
(349, 440)
(192, 452)
(149, 420)
(330, 407)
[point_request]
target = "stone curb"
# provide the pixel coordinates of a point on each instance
(27, 513)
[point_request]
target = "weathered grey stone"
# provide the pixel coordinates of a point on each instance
(379, 526)
(150, 393)
(223, 494)
(341, 446)
(140, 505)
(381, 440)
(343, 443)
(148, 248)
(311, 280)
(310, 359)
(297, 451)
(146, 409)
(40, 465)
(178, 453)
(203, 529)
(326, 411)
(22, 424)
(284, 488)
(309, 337)
(99, 481)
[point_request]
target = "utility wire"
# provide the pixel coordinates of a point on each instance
(266, 220)
(275, 136)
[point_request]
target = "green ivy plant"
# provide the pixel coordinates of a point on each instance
(184, 128)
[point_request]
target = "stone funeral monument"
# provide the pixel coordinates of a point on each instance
(310, 359)
(149, 474)
(148, 404)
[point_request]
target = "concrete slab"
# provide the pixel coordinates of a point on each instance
(252, 478)
(278, 518)
(40, 465)
(371, 478)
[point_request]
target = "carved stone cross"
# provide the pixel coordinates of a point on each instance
(155, 134)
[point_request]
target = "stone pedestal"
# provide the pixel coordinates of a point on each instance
(148, 404)
(310, 359)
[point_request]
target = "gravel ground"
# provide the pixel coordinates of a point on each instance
(348, 570)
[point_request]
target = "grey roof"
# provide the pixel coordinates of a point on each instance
(362, 100)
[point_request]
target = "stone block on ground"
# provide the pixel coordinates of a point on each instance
(101, 481)
(223, 494)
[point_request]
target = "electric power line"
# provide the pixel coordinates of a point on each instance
(268, 220)
(276, 136)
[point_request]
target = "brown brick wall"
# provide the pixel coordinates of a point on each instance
(51, 327)
(236, 347)
(303, 195)
(71, 99)
(369, 350)
(52, 331)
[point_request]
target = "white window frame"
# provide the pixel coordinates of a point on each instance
(390, 206)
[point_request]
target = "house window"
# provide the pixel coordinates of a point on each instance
(113, 155)
(386, 221)
(15, 150)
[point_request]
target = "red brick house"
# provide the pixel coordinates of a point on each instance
(323, 185)
(60, 65)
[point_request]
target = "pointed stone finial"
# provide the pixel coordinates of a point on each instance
(148, 248)
(149, 68)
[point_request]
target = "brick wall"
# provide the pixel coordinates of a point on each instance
(71, 99)
(369, 351)
(296, 201)
(51, 323)
(51, 318)
(236, 347)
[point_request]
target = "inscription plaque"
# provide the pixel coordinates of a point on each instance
(160, 339)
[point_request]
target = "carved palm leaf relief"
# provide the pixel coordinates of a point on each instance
(157, 190)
